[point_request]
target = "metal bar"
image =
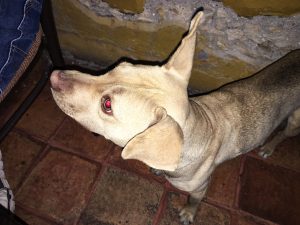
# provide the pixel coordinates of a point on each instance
(52, 43)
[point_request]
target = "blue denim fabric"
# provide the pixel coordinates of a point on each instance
(19, 23)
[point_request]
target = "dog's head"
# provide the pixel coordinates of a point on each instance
(139, 107)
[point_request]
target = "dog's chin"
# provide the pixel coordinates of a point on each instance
(120, 143)
(65, 107)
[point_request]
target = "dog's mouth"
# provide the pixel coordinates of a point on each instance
(65, 107)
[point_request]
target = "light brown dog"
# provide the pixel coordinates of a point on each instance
(146, 110)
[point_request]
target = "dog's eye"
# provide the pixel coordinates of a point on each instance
(106, 105)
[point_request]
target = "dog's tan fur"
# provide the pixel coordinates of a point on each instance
(155, 121)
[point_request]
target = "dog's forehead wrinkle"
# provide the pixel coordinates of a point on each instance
(106, 82)
(136, 71)
(75, 75)
(138, 67)
(147, 78)
(119, 88)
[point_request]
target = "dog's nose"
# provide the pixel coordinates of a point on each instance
(58, 81)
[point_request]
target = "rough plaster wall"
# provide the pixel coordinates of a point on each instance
(258, 41)
(229, 47)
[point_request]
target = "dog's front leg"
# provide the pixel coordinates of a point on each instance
(188, 212)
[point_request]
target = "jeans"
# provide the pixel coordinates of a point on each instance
(19, 23)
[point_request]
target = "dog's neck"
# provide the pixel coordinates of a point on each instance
(198, 132)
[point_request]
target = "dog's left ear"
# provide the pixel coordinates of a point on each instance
(181, 62)
(159, 146)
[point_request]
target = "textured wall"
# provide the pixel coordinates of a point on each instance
(229, 46)
(267, 7)
(127, 6)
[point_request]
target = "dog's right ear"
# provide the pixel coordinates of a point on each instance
(159, 146)
(181, 62)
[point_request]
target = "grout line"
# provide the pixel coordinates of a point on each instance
(270, 163)
(110, 152)
(91, 191)
(218, 205)
(253, 154)
(135, 172)
(29, 135)
(244, 213)
(171, 188)
(238, 184)
(70, 151)
(41, 155)
(51, 137)
(151, 177)
(37, 214)
(140, 174)
(234, 211)
(161, 207)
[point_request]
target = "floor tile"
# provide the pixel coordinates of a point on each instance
(123, 198)
(247, 220)
(287, 154)
(222, 188)
(175, 202)
(211, 215)
(31, 219)
(43, 117)
(270, 192)
(206, 214)
(132, 165)
(77, 139)
(18, 154)
(58, 186)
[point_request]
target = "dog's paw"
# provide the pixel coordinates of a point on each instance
(187, 215)
(265, 152)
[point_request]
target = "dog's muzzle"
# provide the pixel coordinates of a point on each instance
(59, 81)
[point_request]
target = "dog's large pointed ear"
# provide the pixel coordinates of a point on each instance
(159, 146)
(181, 61)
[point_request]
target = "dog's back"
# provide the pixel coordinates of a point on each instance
(281, 76)
(255, 106)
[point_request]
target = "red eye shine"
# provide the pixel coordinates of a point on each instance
(106, 105)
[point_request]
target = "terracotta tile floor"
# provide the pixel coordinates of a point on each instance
(62, 174)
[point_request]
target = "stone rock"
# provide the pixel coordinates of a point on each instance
(258, 7)
(128, 6)
(234, 34)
